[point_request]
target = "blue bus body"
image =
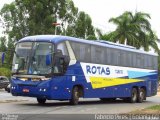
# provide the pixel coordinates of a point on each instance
(95, 80)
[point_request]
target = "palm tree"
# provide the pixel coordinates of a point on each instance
(134, 30)
(125, 31)
(150, 41)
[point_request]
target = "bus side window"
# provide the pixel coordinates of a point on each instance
(108, 56)
(62, 46)
(138, 60)
(142, 61)
(155, 62)
(129, 60)
(134, 60)
(145, 62)
(115, 55)
(82, 51)
(61, 52)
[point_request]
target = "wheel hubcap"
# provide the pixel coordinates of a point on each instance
(134, 96)
(141, 95)
(76, 95)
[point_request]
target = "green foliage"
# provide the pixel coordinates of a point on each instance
(6, 47)
(24, 18)
(32, 17)
(107, 37)
(99, 33)
(3, 44)
(3, 48)
(5, 72)
(155, 107)
(91, 37)
(134, 30)
(83, 26)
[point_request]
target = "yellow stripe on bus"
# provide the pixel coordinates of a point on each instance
(100, 82)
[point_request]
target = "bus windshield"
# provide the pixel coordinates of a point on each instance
(33, 58)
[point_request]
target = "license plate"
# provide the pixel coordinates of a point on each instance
(26, 90)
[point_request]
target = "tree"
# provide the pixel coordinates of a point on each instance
(91, 37)
(134, 30)
(27, 17)
(3, 48)
(3, 43)
(70, 19)
(99, 33)
(107, 36)
(32, 17)
(83, 26)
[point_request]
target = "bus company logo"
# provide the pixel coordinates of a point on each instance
(100, 70)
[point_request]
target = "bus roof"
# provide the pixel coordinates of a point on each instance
(58, 38)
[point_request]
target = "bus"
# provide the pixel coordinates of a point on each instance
(55, 67)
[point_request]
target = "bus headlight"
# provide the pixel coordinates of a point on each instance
(13, 88)
(43, 89)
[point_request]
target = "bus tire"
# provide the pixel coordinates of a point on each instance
(41, 100)
(75, 96)
(141, 95)
(134, 95)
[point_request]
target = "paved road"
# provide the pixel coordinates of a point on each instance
(11, 104)
(24, 105)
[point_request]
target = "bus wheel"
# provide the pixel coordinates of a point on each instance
(141, 95)
(75, 96)
(134, 95)
(41, 100)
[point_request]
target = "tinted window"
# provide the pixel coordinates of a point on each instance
(138, 60)
(129, 60)
(110, 56)
(82, 51)
(155, 62)
(62, 46)
(98, 55)
(115, 56)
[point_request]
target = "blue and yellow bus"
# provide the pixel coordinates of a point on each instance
(50, 67)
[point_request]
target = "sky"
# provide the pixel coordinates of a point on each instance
(102, 10)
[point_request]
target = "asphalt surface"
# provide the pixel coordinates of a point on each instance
(28, 108)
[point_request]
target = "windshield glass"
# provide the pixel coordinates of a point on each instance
(33, 58)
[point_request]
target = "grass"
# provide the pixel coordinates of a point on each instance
(149, 110)
(155, 107)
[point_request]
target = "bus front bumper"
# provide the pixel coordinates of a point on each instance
(31, 91)
(41, 92)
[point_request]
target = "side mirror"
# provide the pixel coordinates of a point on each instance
(61, 61)
(59, 52)
(2, 57)
(21, 63)
(48, 59)
(64, 61)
